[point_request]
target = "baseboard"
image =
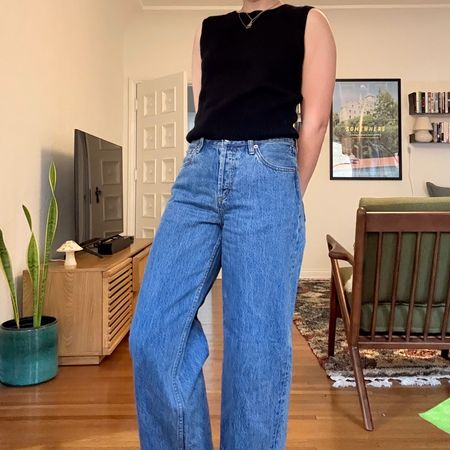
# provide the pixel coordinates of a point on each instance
(319, 274)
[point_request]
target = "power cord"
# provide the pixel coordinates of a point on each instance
(409, 170)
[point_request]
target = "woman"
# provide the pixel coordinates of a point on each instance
(236, 204)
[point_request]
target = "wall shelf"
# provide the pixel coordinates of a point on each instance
(412, 140)
(441, 128)
(428, 114)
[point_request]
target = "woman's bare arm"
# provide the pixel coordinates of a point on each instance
(196, 67)
(318, 79)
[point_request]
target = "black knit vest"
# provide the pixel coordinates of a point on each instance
(251, 78)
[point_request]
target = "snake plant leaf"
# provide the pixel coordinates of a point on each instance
(7, 268)
(33, 265)
(33, 269)
(50, 231)
(28, 216)
(52, 177)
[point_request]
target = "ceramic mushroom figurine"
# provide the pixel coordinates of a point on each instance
(69, 248)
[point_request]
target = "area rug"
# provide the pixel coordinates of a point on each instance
(380, 367)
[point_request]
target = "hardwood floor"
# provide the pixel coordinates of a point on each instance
(93, 406)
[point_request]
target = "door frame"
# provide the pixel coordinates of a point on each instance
(130, 157)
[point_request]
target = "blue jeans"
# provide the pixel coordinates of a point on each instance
(235, 205)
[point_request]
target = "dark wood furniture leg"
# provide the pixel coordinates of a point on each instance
(333, 316)
(361, 386)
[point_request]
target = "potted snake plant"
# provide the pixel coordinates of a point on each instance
(29, 345)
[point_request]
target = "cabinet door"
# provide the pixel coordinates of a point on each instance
(117, 302)
(74, 297)
(139, 263)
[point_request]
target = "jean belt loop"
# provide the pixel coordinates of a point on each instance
(251, 148)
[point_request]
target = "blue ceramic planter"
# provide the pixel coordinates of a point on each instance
(28, 355)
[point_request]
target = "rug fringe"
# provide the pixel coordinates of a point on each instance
(341, 381)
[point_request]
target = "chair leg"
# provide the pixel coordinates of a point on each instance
(333, 316)
(361, 386)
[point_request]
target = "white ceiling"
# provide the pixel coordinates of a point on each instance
(229, 5)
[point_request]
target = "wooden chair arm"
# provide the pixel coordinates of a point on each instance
(337, 251)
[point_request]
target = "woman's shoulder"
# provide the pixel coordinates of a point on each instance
(219, 22)
(303, 12)
(299, 8)
(223, 16)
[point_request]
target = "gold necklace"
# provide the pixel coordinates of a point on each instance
(252, 20)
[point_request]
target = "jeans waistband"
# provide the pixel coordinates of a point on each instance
(242, 142)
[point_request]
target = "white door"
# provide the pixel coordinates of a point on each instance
(160, 146)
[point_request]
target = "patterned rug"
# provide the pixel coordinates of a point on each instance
(380, 367)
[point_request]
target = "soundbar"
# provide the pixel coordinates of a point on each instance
(114, 244)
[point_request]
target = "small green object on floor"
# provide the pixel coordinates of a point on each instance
(439, 416)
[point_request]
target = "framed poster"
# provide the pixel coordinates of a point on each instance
(365, 129)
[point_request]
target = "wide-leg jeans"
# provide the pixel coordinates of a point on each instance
(235, 205)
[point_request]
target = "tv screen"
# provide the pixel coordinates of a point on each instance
(98, 188)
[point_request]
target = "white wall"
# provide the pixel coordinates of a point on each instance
(408, 43)
(62, 68)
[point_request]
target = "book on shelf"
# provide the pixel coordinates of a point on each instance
(440, 131)
(424, 102)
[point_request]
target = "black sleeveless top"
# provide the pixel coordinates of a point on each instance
(251, 78)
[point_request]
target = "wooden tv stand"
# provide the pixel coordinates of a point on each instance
(93, 302)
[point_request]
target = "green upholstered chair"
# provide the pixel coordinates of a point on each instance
(437, 191)
(396, 291)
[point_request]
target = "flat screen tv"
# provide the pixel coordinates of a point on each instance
(98, 188)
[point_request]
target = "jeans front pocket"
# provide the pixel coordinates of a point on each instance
(192, 151)
(278, 154)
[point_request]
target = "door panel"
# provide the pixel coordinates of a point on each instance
(161, 146)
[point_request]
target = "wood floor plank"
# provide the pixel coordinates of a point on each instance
(92, 407)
